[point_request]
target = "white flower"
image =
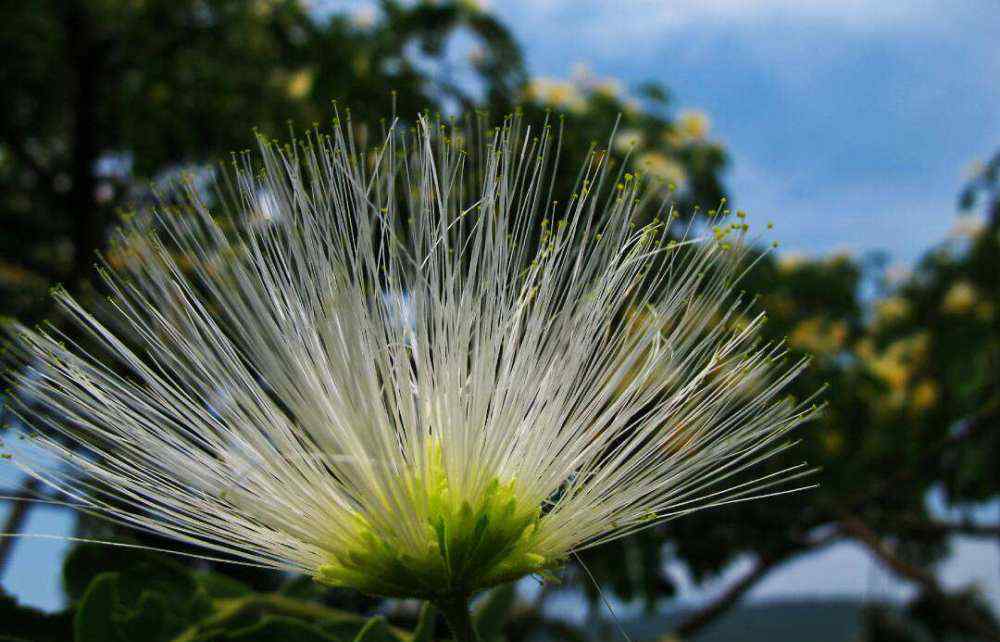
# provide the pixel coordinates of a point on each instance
(421, 378)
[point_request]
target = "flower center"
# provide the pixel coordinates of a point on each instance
(464, 544)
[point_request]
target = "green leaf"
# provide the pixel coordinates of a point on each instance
(23, 622)
(148, 599)
(304, 587)
(278, 628)
(218, 586)
(491, 614)
(375, 630)
(87, 561)
(425, 624)
(94, 615)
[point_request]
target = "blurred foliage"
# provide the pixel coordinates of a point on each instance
(136, 596)
(104, 97)
(675, 152)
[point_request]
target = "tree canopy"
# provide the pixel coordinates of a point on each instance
(105, 98)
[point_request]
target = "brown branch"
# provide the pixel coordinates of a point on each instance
(730, 596)
(932, 527)
(17, 517)
(764, 565)
(966, 618)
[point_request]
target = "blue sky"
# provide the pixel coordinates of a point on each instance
(851, 123)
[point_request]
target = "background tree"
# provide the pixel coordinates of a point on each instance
(106, 96)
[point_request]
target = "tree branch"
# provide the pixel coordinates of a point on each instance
(17, 517)
(932, 527)
(764, 565)
(968, 619)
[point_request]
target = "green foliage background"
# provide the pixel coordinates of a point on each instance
(103, 97)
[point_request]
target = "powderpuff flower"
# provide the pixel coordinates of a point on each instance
(419, 375)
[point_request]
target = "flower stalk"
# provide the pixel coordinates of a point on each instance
(458, 615)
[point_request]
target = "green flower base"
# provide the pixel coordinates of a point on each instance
(467, 546)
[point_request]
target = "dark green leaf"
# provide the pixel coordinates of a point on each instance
(304, 587)
(277, 628)
(493, 612)
(86, 561)
(425, 624)
(219, 586)
(95, 613)
(375, 630)
(147, 599)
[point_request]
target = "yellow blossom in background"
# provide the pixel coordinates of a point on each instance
(865, 349)
(659, 166)
(895, 366)
(300, 83)
(819, 336)
(692, 126)
(628, 139)
(833, 442)
(960, 298)
(263, 8)
(891, 309)
(608, 87)
(791, 261)
(839, 256)
(967, 226)
(560, 94)
(474, 5)
(925, 395)
(632, 106)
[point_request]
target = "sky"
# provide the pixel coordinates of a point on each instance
(850, 123)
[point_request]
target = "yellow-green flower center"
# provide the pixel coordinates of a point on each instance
(465, 545)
